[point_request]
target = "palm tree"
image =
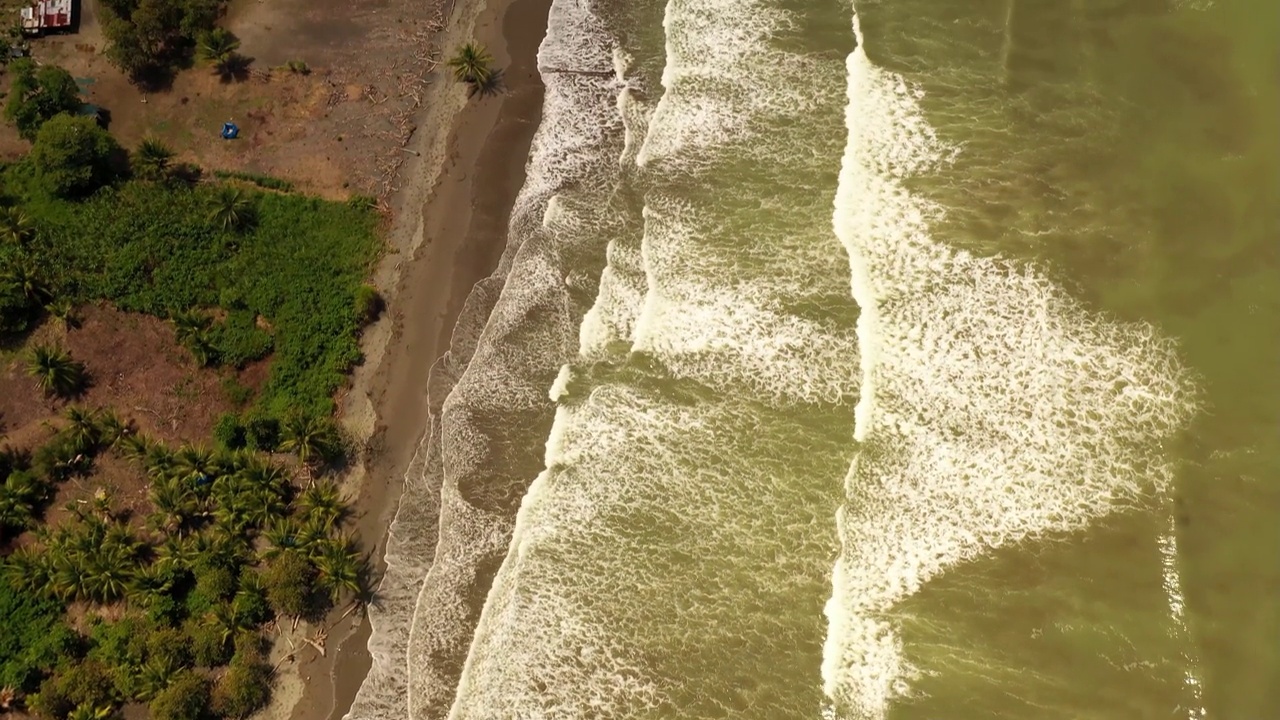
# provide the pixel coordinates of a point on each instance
(28, 570)
(152, 159)
(311, 437)
(217, 44)
(195, 465)
(191, 329)
(176, 504)
(281, 534)
(104, 504)
(133, 446)
(111, 430)
(55, 372)
(338, 567)
(151, 581)
(312, 535)
(472, 64)
(177, 554)
(88, 711)
(16, 226)
(64, 311)
(230, 208)
(26, 277)
(153, 677)
(322, 502)
(82, 428)
(15, 511)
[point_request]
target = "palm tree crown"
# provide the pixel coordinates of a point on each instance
(217, 44)
(311, 437)
(55, 372)
(472, 64)
(152, 159)
(16, 226)
(230, 208)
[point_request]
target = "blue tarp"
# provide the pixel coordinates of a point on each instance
(229, 131)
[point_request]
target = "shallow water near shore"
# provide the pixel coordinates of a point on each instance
(901, 359)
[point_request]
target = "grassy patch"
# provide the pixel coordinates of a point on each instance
(263, 181)
(288, 282)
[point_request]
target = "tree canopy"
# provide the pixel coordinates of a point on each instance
(73, 156)
(149, 38)
(37, 95)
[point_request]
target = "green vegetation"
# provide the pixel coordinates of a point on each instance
(55, 372)
(230, 543)
(150, 39)
(73, 156)
(37, 96)
(285, 283)
(172, 594)
(263, 181)
(472, 64)
(151, 160)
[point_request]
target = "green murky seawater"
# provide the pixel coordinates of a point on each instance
(925, 364)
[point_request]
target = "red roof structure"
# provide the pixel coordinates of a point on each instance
(46, 15)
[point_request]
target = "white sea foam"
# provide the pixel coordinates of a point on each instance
(583, 581)
(994, 408)
(724, 328)
(722, 72)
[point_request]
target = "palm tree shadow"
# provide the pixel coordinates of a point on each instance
(233, 68)
(494, 85)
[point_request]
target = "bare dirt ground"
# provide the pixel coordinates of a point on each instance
(336, 131)
(137, 369)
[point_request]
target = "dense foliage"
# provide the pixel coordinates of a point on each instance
(230, 543)
(73, 156)
(33, 639)
(38, 95)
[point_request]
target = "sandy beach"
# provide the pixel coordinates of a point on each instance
(448, 230)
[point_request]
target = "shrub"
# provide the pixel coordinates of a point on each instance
(238, 394)
(262, 433)
(73, 156)
(86, 682)
(38, 95)
(151, 248)
(33, 640)
(229, 432)
(245, 687)
(368, 304)
(209, 646)
(289, 583)
(186, 698)
(216, 583)
(238, 340)
(168, 647)
(16, 309)
(263, 181)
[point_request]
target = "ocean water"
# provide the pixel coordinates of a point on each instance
(885, 359)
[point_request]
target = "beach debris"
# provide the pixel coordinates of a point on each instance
(317, 641)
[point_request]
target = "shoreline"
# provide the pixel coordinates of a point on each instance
(448, 231)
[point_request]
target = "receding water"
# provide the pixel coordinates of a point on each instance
(916, 359)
